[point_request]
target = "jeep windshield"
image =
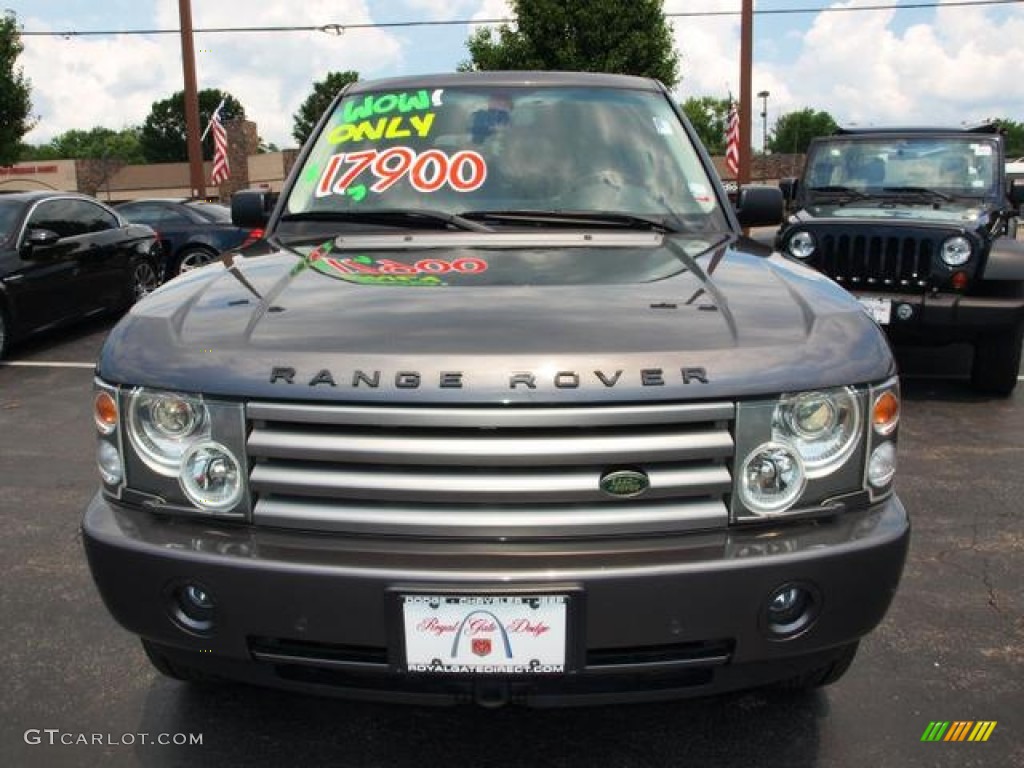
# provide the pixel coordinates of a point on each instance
(908, 169)
(525, 157)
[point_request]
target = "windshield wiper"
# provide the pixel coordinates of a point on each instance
(842, 192)
(613, 219)
(392, 217)
(925, 191)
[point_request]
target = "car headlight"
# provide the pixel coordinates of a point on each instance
(956, 251)
(162, 425)
(823, 426)
(772, 478)
(818, 452)
(182, 454)
(801, 245)
(211, 476)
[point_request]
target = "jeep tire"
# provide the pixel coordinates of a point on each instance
(997, 361)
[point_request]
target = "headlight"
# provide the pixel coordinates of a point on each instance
(812, 453)
(956, 251)
(211, 477)
(801, 245)
(823, 426)
(162, 425)
(772, 478)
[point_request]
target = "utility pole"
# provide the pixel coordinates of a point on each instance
(746, 111)
(188, 59)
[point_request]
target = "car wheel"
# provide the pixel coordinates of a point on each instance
(173, 669)
(145, 278)
(193, 258)
(996, 363)
(826, 674)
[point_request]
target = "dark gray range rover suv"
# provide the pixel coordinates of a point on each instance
(505, 409)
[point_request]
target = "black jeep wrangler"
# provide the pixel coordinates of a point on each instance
(920, 224)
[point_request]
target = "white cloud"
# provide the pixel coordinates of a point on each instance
(954, 65)
(861, 68)
(85, 81)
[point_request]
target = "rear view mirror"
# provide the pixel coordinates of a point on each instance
(759, 206)
(251, 208)
(38, 238)
(1016, 194)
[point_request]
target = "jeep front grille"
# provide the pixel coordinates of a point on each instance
(488, 472)
(885, 262)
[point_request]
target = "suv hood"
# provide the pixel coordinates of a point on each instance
(961, 214)
(550, 318)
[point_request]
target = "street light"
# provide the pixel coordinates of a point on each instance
(763, 95)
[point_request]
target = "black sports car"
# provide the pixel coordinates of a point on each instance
(192, 233)
(64, 257)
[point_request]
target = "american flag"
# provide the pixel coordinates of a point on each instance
(732, 141)
(221, 170)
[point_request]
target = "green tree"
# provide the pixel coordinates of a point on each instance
(15, 101)
(318, 101)
(163, 134)
(99, 143)
(32, 153)
(1014, 138)
(794, 130)
(587, 35)
(710, 118)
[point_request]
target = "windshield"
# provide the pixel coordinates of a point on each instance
(480, 149)
(954, 166)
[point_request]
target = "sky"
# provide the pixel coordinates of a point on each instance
(948, 65)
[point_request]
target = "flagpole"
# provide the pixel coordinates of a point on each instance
(214, 115)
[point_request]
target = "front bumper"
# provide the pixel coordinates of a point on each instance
(649, 618)
(946, 317)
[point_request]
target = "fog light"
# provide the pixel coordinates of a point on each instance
(108, 460)
(194, 606)
(210, 477)
(882, 465)
(790, 609)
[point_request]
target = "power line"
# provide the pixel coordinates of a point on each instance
(340, 29)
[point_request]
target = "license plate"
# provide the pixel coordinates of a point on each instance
(485, 634)
(879, 309)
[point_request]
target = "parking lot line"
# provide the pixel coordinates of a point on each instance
(43, 364)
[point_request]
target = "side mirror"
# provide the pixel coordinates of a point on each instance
(1016, 194)
(38, 238)
(789, 187)
(251, 208)
(759, 206)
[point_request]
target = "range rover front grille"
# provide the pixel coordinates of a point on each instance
(878, 261)
(488, 472)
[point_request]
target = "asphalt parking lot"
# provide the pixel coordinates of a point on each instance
(950, 649)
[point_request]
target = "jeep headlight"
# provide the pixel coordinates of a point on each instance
(956, 251)
(801, 245)
(173, 452)
(814, 452)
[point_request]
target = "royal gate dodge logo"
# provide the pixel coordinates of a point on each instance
(959, 730)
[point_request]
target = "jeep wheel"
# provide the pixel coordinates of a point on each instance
(173, 669)
(997, 362)
(826, 674)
